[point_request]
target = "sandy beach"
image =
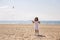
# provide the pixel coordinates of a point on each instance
(26, 32)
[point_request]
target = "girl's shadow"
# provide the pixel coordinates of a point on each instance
(41, 35)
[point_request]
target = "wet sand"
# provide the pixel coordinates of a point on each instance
(26, 32)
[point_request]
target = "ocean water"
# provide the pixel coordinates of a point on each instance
(50, 22)
(29, 22)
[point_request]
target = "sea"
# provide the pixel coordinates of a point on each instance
(29, 22)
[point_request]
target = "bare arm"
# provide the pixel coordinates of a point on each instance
(32, 21)
(39, 22)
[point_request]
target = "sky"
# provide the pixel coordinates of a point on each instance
(29, 9)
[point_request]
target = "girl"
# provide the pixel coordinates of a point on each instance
(36, 22)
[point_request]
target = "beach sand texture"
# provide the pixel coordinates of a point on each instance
(26, 32)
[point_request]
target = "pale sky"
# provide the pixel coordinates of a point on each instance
(28, 9)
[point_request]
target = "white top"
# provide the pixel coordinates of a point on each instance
(36, 25)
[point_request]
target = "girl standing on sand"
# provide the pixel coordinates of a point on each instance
(36, 22)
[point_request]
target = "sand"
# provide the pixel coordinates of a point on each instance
(26, 32)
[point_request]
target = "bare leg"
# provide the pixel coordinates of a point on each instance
(36, 32)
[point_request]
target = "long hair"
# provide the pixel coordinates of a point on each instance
(36, 19)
